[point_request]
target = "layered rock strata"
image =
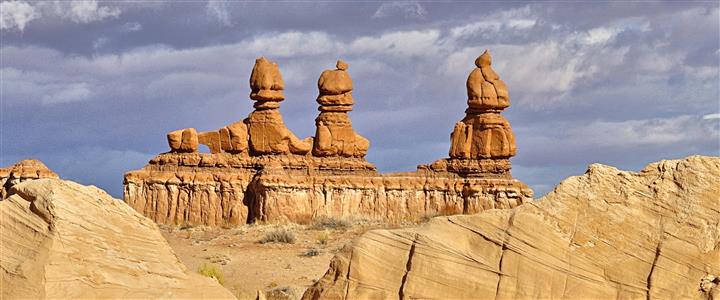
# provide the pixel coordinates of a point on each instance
(62, 240)
(21, 171)
(259, 171)
(608, 234)
(220, 189)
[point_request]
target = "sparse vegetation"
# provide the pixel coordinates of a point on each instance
(279, 235)
(212, 271)
(323, 237)
(331, 223)
(311, 252)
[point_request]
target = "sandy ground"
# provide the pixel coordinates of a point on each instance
(273, 267)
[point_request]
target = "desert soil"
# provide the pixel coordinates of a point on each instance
(282, 270)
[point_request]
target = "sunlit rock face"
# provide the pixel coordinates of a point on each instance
(24, 170)
(608, 234)
(260, 171)
(63, 240)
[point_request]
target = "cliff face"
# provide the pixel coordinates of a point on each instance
(62, 240)
(606, 234)
(218, 189)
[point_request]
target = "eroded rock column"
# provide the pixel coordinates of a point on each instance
(268, 134)
(335, 135)
(482, 142)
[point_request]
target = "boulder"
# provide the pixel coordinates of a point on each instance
(608, 234)
(63, 240)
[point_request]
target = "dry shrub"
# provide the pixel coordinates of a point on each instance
(325, 222)
(279, 235)
(212, 271)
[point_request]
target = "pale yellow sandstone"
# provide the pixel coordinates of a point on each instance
(62, 240)
(608, 234)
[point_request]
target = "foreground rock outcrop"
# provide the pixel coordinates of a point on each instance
(608, 234)
(24, 170)
(63, 240)
(258, 170)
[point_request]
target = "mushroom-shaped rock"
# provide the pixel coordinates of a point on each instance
(335, 86)
(266, 82)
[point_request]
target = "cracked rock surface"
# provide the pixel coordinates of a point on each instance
(63, 240)
(607, 234)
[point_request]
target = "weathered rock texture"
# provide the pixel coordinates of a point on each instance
(483, 139)
(608, 234)
(335, 135)
(23, 170)
(267, 174)
(62, 240)
(220, 189)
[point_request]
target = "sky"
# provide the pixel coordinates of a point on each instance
(92, 87)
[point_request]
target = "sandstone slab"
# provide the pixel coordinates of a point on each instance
(62, 240)
(608, 234)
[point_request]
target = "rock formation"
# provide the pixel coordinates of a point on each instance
(483, 141)
(268, 134)
(23, 170)
(62, 240)
(335, 135)
(608, 234)
(262, 133)
(267, 174)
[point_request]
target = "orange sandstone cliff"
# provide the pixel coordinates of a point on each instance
(258, 170)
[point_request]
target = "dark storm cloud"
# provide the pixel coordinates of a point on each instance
(92, 92)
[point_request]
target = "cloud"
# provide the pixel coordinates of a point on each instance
(69, 93)
(399, 43)
(79, 11)
(406, 9)
(503, 20)
(99, 43)
(16, 14)
(711, 117)
(131, 27)
(218, 11)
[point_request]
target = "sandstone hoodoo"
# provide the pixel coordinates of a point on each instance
(267, 131)
(62, 240)
(258, 170)
(608, 234)
(335, 135)
(482, 142)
